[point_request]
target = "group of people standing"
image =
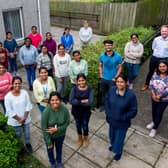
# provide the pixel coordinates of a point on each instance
(55, 66)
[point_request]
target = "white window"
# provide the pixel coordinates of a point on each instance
(13, 22)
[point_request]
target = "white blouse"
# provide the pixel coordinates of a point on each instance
(17, 105)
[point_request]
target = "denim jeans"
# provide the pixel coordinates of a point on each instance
(132, 71)
(26, 130)
(82, 124)
(12, 64)
(58, 142)
(3, 106)
(105, 86)
(117, 137)
(61, 86)
(41, 108)
(31, 75)
(157, 112)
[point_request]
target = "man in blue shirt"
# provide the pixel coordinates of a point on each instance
(110, 66)
(28, 54)
(160, 52)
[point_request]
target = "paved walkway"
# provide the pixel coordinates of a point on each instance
(140, 151)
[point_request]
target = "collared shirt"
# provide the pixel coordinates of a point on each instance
(28, 55)
(160, 47)
(110, 64)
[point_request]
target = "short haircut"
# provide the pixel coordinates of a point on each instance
(108, 42)
(34, 27)
(134, 34)
(8, 32)
(76, 52)
(27, 38)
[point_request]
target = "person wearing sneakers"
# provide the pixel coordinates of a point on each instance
(81, 98)
(160, 52)
(120, 108)
(159, 89)
(132, 57)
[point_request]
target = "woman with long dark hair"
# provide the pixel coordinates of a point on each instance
(159, 90)
(81, 98)
(55, 120)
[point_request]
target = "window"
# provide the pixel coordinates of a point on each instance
(13, 22)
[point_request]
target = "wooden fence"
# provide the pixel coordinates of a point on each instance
(108, 17)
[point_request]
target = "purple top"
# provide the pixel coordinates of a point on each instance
(51, 45)
(160, 86)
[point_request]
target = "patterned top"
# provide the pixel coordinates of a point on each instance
(160, 86)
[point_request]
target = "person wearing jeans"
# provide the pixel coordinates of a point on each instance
(61, 63)
(160, 52)
(110, 66)
(18, 106)
(54, 122)
(132, 57)
(28, 54)
(159, 89)
(81, 98)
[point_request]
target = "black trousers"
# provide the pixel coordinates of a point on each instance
(154, 61)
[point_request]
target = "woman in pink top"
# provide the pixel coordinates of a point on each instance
(5, 83)
(35, 37)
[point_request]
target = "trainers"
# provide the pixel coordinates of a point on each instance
(60, 165)
(31, 88)
(150, 126)
(152, 133)
(110, 148)
(117, 157)
(144, 87)
(29, 148)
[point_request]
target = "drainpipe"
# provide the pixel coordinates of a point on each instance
(39, 16)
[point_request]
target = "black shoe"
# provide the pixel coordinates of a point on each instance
(101, 109)
(29, 148)
(117, 157)
(31, 88)
(110, 148)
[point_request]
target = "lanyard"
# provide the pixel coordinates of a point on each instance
(45, 90)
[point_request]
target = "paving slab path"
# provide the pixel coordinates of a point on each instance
(140, 151)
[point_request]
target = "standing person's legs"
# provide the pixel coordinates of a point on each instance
(157, 112)
(135, 71)
(33, 75)
(50, 152)
(58, 145)
(28, 71)
(26, 129)
(78, 123)
(118, 142)
(59, 85)
(10, 60)
(65, 79)
(15, 64)
(18, 131)
(129, 68)
(3, 106)
(85, 123)
(111, 136)
(152, 66)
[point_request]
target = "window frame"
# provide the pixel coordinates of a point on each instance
(21, 20)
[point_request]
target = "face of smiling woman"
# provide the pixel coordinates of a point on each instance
(17, 85)
(55, 102)
(121, 83)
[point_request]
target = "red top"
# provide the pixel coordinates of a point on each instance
(3, 57)
(36, 39)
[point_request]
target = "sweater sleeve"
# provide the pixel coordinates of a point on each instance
(127, 52)
(21, 56)
(139, 53)
(72, 99)
(90, 99)
(38, 94)
(65, 123)
(28, 103)
(44, 126)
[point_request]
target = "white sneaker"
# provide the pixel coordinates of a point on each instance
(152, 133)
(150, 126)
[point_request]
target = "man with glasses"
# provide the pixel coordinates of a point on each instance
(110, 66)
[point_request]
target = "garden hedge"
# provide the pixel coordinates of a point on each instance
(92, 52)
(9, 145)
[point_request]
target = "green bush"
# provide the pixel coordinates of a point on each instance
(92, 52)
(9, 145)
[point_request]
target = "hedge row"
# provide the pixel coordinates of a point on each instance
(9, 145)
(92, 52)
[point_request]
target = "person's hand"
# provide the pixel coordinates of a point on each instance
(50, 146)
(60, 80)
(155, 98)
(51, 130)
(84, 101)
(22, 121)
(158, 96)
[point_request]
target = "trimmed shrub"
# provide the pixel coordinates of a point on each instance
(9, 145)
(92, 52)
